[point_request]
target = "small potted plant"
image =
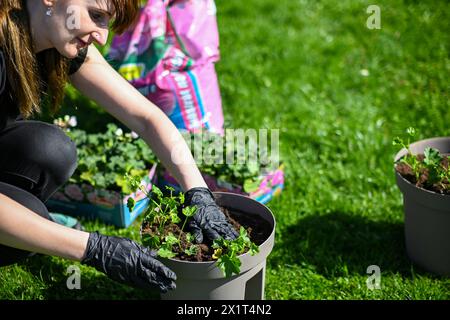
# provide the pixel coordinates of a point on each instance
(423, 175)
(221, 270)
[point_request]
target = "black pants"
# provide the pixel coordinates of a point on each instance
(36, 158)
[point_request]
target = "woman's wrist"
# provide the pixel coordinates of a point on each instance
(193, 181)
(80, 250)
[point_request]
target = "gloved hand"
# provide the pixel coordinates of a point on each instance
(209, 219)
(127, 262)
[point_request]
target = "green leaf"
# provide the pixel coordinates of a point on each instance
(174, 217)
(434, 175)
(181, 197)
(169, 188)
(254, 249)
(192, 250)
(189, 237)
(171, 239)
(130, 204)
(251, 185)
(411, 131)
(189, 211)
(219, 243)
(157, 192)
(87, 176)
(150, 241)
(166, 253)
(397, 141)
(123, 184)
(432, 157)
(243, 235)
(229, 265)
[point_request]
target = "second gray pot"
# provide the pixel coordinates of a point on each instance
(427, 216)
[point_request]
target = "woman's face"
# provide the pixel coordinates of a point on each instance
(75, 24)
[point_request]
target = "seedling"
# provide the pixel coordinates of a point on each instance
(222, 158)
(105, 158)
(410, 159)
(168, 234)
(432, 164)
(226, 252)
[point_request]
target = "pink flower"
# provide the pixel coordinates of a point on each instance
(74, 192)
(91, 196)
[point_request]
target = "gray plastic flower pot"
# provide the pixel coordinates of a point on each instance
(427, 216)
(205, 281)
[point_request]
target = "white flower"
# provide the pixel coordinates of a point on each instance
(66, 122)
(134, 135)
(364, 72)
(72, 121)
(119, 132)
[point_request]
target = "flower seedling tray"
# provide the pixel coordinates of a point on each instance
(107, 206)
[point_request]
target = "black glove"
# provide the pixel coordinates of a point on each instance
(208, 219)
(127, 262)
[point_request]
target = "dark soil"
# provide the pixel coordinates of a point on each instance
(406, 172)
(257, 228)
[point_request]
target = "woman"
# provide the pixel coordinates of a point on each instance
(43, 44)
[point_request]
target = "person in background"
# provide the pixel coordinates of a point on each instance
(43, 45)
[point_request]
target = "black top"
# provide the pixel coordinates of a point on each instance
(76, 63)
(9, 111)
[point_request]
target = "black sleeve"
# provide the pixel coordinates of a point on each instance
(2, 72)
(76, 63)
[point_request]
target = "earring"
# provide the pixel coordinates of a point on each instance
(49, 11)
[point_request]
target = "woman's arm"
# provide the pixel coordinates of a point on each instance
(100, 82)
(23, 229)
(121, 259)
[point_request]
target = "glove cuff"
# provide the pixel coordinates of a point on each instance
(198, 195)
(92, 244)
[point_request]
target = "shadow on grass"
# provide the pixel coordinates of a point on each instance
(339, 244)
(94, 286)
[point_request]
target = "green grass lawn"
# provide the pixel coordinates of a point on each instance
(297, 66)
